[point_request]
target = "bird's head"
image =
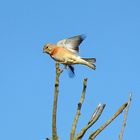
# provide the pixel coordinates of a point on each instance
(47, 48)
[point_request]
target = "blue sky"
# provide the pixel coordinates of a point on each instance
(27, 75)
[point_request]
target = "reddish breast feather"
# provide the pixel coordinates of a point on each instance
(54, 51)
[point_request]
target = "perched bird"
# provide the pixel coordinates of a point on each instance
(66, 52)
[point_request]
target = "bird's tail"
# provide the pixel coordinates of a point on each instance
(90, 62)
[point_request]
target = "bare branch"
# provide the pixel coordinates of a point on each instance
(78, 110)
(95, 113)
(93, 119)
(125, 117)
(54, 128)
(95, 133)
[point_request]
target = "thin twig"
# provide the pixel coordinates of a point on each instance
(78, 110)
(54, 128)
(101, 128)
(125, 117)
(93, 119)
(95, 113)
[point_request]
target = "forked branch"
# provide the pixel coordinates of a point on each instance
(101, 128)
(95, 116)
(93, 119)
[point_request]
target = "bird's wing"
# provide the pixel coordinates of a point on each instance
(72, 43)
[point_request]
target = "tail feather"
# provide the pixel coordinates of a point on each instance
(91, 62)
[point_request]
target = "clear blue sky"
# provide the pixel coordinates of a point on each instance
(27, 75)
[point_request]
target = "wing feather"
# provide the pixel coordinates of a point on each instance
(72, 43)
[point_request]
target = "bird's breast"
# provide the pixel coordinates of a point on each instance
(54, 51)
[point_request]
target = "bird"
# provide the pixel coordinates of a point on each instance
(66, 52)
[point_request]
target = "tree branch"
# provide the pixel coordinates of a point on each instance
(95, 113)
(93, 119)
(95, 133)
(125, 117)
(54, 113)
(78, 110)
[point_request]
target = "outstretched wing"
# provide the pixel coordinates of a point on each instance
(72, 43)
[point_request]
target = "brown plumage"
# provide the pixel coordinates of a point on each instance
(66, 52)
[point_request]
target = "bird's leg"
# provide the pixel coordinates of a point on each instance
(60, 70)
(63, 68)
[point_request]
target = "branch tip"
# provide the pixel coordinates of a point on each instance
(125, 116)
(78, 112)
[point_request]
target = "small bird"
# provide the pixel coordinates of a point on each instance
(66, 52)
